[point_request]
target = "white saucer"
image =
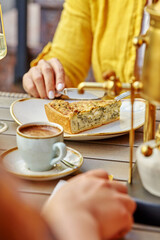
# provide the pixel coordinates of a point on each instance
(14, 164)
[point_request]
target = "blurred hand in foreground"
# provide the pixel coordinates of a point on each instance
(90, 206)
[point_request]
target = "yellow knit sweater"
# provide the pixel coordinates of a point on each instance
(97, 33)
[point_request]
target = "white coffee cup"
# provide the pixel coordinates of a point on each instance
(40, 144)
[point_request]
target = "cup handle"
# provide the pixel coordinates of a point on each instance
(59, 147)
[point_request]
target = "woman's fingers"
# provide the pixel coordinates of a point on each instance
(49, 78)
(127, 202)
(117, 218)
(59, 73)
(29, 85)
(38, 80)
(121, 196)
(45, 79)
(118, 186)
(125, 229)
(100, 173)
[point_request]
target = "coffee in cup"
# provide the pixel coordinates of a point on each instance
(40, 144)
(40, 131)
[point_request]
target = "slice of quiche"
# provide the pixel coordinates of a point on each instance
(79, 116)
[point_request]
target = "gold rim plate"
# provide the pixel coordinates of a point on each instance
(32, 109)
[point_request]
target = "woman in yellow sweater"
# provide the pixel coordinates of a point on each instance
(90, 32)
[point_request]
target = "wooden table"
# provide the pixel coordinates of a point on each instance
(111, 155)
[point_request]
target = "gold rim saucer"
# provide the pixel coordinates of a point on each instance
(14, 164)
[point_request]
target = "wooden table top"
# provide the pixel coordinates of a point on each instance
(111, 155)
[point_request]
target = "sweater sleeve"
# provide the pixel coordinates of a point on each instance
(72, 43)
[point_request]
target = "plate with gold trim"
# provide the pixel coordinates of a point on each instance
(14, 164)
(32, 110)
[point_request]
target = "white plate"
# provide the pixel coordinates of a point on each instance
(32, 109)
(15, 164)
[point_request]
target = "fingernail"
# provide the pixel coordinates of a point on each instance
(60, 86)
(51, 95)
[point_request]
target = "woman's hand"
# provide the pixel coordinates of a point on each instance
(90, 206)
(45, 79)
